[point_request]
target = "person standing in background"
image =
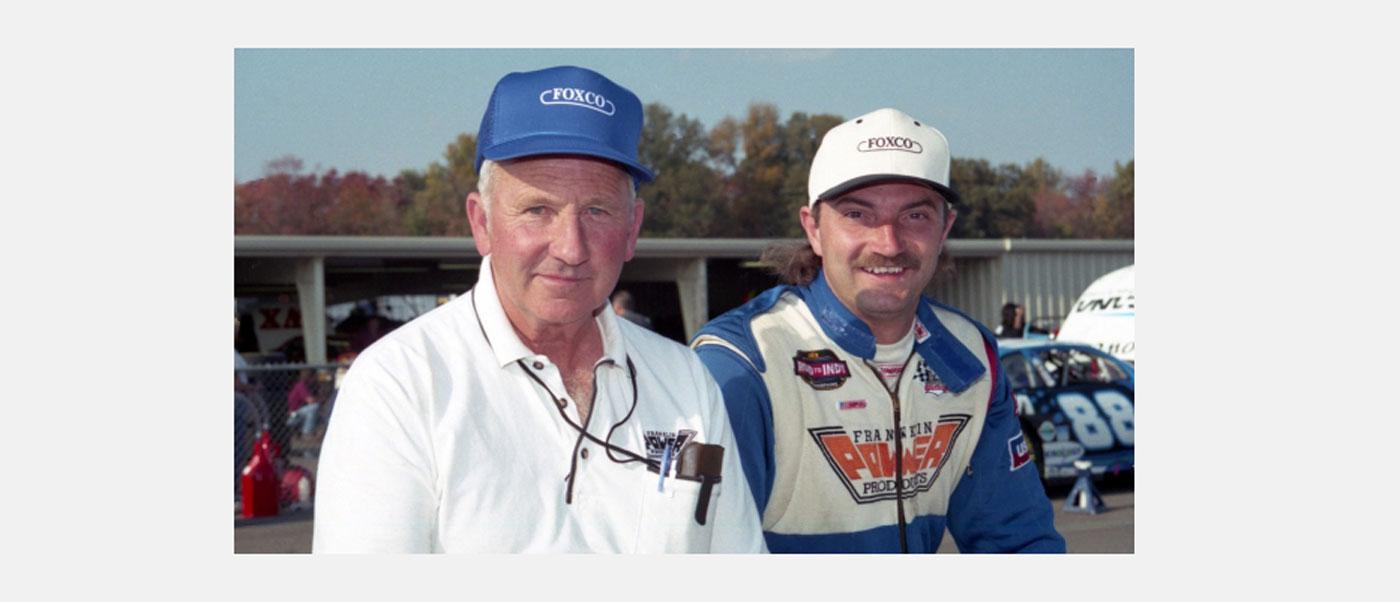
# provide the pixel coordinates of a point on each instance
(623, 304)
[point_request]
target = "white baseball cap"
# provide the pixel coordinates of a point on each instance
(881, 145)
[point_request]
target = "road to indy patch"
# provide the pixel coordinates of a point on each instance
(821, 369)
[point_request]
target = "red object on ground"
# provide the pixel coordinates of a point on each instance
(298, 486)
(260, 482)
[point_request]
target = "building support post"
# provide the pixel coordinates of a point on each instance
(693, 286)
(311, 294)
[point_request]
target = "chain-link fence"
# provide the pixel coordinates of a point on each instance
(293, 402)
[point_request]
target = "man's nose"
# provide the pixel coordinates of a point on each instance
(570, 240)
(885, 240)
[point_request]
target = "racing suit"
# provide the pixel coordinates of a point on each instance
(815, 427)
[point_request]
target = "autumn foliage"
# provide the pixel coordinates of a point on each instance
(287, 202)
(738, 179)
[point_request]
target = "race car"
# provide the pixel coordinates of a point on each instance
(1074, 402)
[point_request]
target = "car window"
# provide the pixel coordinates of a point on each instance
(1110, 370)
(1060, 367)
(1083, 367)
(1017, 371)
(1045, 368)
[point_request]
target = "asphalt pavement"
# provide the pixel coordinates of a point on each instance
(1109, 532)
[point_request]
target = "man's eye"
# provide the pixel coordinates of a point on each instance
(853, 214)
(596, 211)
(536, 210)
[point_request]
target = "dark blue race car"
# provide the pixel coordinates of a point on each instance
(1075, 402)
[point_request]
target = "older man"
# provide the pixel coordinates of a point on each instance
(869, 418)
(523, 416)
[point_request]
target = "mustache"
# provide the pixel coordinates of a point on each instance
(903, 260)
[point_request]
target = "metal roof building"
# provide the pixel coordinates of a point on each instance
(681, 283)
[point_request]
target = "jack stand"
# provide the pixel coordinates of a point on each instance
(1083, 497)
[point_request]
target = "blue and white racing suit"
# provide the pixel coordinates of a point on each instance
(815, 427)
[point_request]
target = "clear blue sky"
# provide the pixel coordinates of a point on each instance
(383, 110)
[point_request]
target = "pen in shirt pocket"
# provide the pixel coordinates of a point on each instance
(665, 468)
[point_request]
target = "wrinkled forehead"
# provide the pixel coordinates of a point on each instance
(548, 172)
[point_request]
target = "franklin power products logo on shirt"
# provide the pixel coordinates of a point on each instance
(658, 441)
(889, 143)
(863, 459)
(578, 97)
(821, 369)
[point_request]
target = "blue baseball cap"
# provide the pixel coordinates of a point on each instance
(562, 110)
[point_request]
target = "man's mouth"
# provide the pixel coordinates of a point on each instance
(563, 278)
(885, 271)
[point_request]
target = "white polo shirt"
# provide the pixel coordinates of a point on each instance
(440, 442)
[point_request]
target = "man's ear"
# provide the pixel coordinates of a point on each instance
(809, 225)
(476, 214)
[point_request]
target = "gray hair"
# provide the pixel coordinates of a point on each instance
(488, 167)
(483, 185)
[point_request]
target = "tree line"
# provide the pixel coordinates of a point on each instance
(739, 179)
